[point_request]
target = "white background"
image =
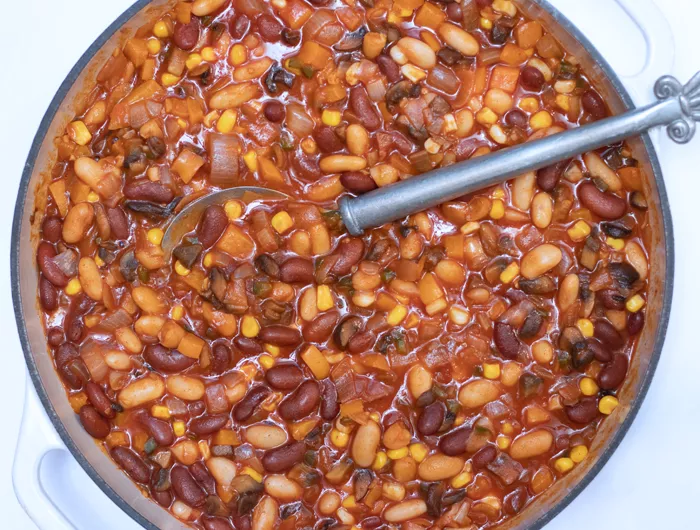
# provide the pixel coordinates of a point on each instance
(652, 479)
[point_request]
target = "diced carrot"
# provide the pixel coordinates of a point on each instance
(631, 178)
(505, 78)
(429, 288)
(454, 246)
(314, 55)
(236, 242)
(269, 170)
(194, 111)
(316, 362)
(430, 16)
(350, 17)
(431, 40)
(513, 55)
(296, 13)
(79, 191)
(171, 334)
(528, 34)
(183, 12)
(136, 51)
(187, 164)
(226, 437)
(191, 346)
(58, 192)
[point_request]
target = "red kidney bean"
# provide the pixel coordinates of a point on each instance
(300, 403)
(213, 223)
(593, 104)
(44, 258)
(274, 111)
(66, 352)
(283, 458)
(297, 270)
(118, 222)
(607, 334)
(454, 12)
(145, 190)
(245, 408)
(321, 327)
(55, 336)
(280, 335)
(389, 68)
(164, 498)
(161, 430)
(635, 323)
(484, 457)
(431, 418)
(611, 299)
(548, 177)
(203, 477)
(351, 250)
(247, 346)
(364, 109)
(47, 294)
(605, 205)
(216, 523)
(52, 229)
(613, 374)
(532, 79)
(506, 340)
(165, 360)
(600, 352)
(329, 400)
(327, 140)
(72, 321)
(239, 26)
(196, 408)
(74, 373)
(269, 28)
(306, 166)
(361, 342)
(357, 182)
(186, 487)
(284, 376)
(99, 399)
(371, 522)
(208, 424)
(220, 357)
(515, 501)
(584, 411)
(516, 118)
(186, 36)
(455, 442)
(132, 463)
(95, 425)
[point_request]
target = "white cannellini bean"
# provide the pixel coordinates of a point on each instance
(222, 469)
(184, 387)
(417, 52)
(598, 168)
(282, 488)
(265, 436)
(524, 190)
(405, 511)
(142, 391)
(457, 38)
(265, 514)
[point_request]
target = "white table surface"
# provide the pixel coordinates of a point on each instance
(650, 482)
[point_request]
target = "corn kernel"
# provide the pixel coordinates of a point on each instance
(349, 502)
(588, 386)
(208, 54)
(179, 428)
(432, 146)
(395, 454)
(160, 411)
(585, 326)
(579, 231)
(251, 160)
(394, 18)
(155, 236)
(331, 117)
(339, 438)
(93, 197)
(486, 116)
(458, 315)
(492, 370)
(396, 315)
(450, 123)
(578, 453)
(181, 269)
(178, 312)
(233, 209)
(380, 461)
(79, 133)
(564, 465)
(418, 451)
(324, 298)
(509, 273)
(250, 327)
(208, 260)
(393, 491)
(193, 61)
(182, 123)
(505, 6)
(238, 55)
(498, 193)
(497, 134)
(74, 287)
(485, 23)
(460, 419)
(461, 480)
(160, 30)
(169, 79)
(530, 105)
(282, 222)
(266, 361)
(563, 102)
(498, 209)
(507, 428)
(608, 404)
(469, 228)
(541, 120)
(153, 46)
(227, 121)
(413, 73)
(617, 244)
(503, 442)
(635, 303)
(272, 349)
(252, 473)
(98, 261)
(308, 145)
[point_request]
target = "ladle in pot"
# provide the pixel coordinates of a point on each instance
(678, 108)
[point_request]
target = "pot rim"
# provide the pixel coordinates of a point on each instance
(40, 137)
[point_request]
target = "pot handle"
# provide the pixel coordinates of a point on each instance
(36, 439)
(660, 48)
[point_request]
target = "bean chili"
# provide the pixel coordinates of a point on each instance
(278, 373)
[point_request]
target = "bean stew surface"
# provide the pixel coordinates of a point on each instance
(441, 371)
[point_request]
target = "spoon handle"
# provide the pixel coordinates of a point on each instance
(678, 108)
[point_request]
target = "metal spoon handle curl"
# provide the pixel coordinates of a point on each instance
(678, 108)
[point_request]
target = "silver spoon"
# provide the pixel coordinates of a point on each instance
(678, 108)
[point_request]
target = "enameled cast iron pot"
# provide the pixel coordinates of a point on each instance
(114, 483)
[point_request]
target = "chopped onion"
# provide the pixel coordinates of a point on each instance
(376, 90)
(216, 399)
(251, 7)
(298, 121)
(223, 153)
(176, 406)
(118, 380)
(67, 261)
(119, 319)
(94, 360)
(138, 114)
(318, 20)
